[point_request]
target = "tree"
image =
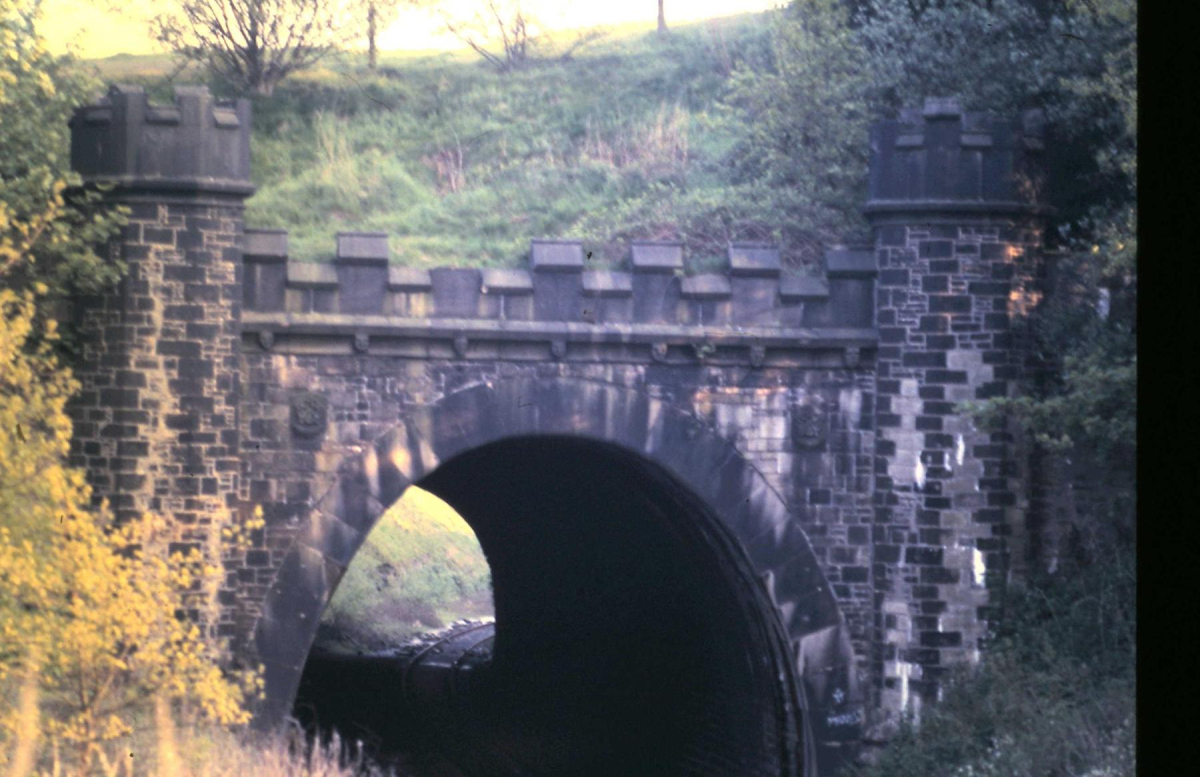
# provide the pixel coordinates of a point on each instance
(499, 22)
(503, 25)
(662, 21)
(49, 226)
(1085, 334)
(88, 626)
(255, 44)
(806, 118)
(380, 13)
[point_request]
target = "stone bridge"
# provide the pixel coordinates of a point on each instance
(739, 509)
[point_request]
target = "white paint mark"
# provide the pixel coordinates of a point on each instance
(919, 473)
(960, 450)
(977, 565)
(850, 403)
(1104, 303)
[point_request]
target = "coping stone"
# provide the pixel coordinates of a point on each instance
(556, 255)
(266, 244)
(312, 275)
(707, 286)
(606, 283)
(503, 281)
(757, 260)
(656, 256)
(362, 247)
(408, 279)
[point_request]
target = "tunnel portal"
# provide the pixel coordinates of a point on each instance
(631, 635)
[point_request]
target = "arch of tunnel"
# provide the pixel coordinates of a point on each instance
(734, 519)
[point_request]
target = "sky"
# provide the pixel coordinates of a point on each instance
(101, 28)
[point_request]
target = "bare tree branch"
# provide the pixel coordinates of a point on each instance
(254, 44)
(507, 38)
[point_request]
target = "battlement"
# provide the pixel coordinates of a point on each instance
(196, 145)
(942, 159)
(752, 291)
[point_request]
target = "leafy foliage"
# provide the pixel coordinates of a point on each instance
(1084, 407)
(1063, 656)
(46, 247)
(47, 230)
(92, 615)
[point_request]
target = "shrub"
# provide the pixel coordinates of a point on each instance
(1053, 694)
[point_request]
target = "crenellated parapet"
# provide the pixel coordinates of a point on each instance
(940, 160)
(653, 305)
(194, 145)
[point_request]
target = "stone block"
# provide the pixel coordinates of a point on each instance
(656, 257)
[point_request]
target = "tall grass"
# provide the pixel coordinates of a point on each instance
(167, 743)
(463, 166)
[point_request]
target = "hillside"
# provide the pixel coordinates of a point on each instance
(420, 568)
(463, 166)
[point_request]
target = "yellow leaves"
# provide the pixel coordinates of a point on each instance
(100, 606)
(46, 84)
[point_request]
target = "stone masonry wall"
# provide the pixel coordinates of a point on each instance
(156, 422)
(947, 493)
(825, 481)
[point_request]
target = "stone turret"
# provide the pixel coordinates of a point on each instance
(954, 202)
(948, 164)
(196, 146)
(156, 423)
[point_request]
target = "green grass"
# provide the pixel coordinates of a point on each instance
(461, 165)
(420, 568)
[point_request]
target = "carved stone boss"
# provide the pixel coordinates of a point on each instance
(310, 411)
(808, 427)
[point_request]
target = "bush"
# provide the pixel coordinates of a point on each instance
(96, 621)
(1052, 695)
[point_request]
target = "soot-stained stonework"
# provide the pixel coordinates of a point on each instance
(811, 425)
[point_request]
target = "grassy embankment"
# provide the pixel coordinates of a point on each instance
(462, 165)
(420, 568)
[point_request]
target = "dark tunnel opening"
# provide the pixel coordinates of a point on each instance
(630, 635)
